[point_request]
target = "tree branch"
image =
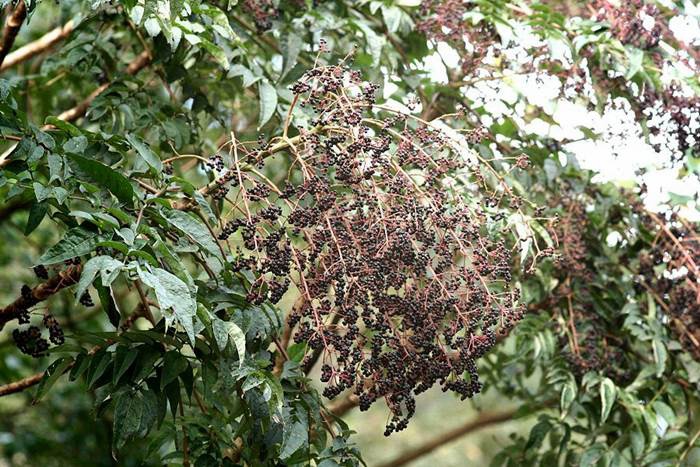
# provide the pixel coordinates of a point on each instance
(12, 26)
(140, 62)
(143, 59)
(40, 293)
(484, 420)
(38, 46)
(342, 406)
(21, 385)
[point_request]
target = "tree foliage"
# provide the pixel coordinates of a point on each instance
(204, 201)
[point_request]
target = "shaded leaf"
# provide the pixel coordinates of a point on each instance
(36, 214)
(76, 242)
(174, 363)
(108, 268)
(143, 150)
(127, 417)
(228, 330)
(51, 375)
(123, 360)
(108, 303)
(608, 393)
(105, 177)
(268, 102)
(195, 229)
(296, 435)
(173, 294)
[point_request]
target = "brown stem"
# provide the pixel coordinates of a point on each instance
(200, 402)
(12, 26)
(38, 46)
(484, 420)
(41, 292)
(144, 303)
(313, 358)
(21, 385)
(286, 337)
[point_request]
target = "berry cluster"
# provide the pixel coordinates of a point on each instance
(443, 21)
(262, 11)
(570, 230)
(55, 331)
(168, 168)
(28, 301)
(678, 287)
(384, 230)
(633, 22)
(86, 299)
(41, 272)
(215, 162)
(583, 333)
(224, 183)
(593, 350)
(674, 121)
(30, 341)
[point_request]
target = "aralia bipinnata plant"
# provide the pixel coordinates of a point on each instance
(214, 211)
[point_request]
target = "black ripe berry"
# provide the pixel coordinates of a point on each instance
(86, 299)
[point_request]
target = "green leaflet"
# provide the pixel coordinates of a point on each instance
(173, 365)
(128, 412)
(225, 331)
(106, 266)
(76, 242)
(36, 215)
(104, 176)
(172, 294)
(608, 393)
(268, 102)
(51, 375)
(195, 229)
(143, 150)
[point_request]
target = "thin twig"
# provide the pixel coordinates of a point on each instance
(141, 60)
(185, 440)
(687, 451)
(144, 303)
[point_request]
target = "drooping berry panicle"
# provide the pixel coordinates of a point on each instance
(389, 229)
